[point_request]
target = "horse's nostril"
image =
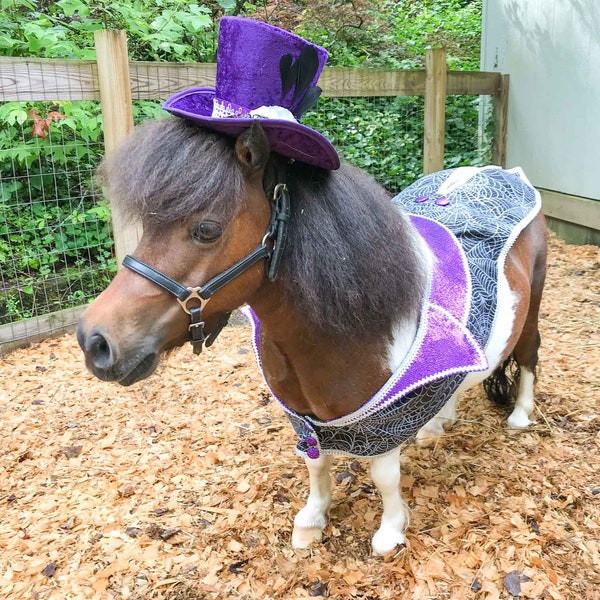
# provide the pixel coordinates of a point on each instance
(103, 347)
(100, 351)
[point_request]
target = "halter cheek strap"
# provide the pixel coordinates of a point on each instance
(194, 299)
(277, 231)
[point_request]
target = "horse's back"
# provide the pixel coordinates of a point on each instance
(496, 216)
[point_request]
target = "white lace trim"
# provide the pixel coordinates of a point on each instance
(273, 112)
(224, 110)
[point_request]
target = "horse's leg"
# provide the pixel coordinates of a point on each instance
(385, 472)
(526, 357)
(445, 418)
(312, 519)
(524, 403)
(526, 349)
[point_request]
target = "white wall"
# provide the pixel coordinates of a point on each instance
(551, 50)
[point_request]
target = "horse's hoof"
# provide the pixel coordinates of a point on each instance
(303, 537)
(429, 433)
(386, 541)
(518, 419)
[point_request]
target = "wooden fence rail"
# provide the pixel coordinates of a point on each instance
(49, 79)
(29, 79)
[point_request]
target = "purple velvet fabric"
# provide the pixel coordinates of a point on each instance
(248, 75)
(447, 347)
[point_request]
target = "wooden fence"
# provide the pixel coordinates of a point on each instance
(116, 82)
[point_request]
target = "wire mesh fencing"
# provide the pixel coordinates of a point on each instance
(55, 233)
(384, 135)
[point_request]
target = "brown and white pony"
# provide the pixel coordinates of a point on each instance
(342, 313)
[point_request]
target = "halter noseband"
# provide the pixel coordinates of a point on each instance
(190, 297)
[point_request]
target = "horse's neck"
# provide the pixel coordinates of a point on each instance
(320, 374)
(314, 373)
(405, 329)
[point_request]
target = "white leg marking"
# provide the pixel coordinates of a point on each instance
(385, 472)
(524, 404)
(434, 428)
(312, 519)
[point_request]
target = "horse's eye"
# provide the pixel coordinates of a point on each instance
(206, 231)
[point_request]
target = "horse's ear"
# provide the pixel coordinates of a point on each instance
(252, 148)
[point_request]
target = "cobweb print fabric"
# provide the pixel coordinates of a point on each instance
(486, 213)
(469, 218)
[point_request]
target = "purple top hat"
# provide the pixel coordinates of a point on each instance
(266, 73)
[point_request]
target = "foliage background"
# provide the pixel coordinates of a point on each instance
(55, 237)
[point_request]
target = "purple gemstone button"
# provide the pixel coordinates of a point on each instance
(310, 441)
(421, 199)
(442, 201)
(313, 453)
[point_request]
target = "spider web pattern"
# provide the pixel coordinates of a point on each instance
(486, 213)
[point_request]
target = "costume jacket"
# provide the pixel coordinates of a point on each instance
(469, 218)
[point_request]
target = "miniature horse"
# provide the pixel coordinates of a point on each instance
(340, 316)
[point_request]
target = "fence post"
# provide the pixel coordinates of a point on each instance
(117, 112)
(500, 122)
(436, 77)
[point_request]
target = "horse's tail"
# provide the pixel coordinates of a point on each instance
(502, 385)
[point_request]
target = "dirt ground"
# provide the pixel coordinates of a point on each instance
(184, 486)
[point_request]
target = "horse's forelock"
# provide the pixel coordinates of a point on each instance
(168, 169)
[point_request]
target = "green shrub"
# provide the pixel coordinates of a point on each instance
(52, 229)
(382, 135)
(395, 34)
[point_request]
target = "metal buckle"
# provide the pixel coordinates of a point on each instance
(278, 188)
(196, 328)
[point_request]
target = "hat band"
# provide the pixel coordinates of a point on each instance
(223, 109)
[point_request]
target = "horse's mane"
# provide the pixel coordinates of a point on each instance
(350, 265)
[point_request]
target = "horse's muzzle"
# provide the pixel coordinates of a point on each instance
(105, 361)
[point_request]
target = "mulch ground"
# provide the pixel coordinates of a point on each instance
(184, 486)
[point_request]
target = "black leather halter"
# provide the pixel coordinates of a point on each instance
(194, 299)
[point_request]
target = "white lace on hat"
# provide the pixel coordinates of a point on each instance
(223, 109)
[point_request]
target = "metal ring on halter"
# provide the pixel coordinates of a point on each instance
(194, 294)
(278, 187)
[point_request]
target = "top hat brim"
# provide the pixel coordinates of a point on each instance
(291, 139)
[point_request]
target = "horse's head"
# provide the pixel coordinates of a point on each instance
(201, 199)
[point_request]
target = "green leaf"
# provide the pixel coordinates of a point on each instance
(13, 112)
(6, 4)
(195, 23)
(227, 5)
(70, 7)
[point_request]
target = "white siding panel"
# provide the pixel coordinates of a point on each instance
(551, 50)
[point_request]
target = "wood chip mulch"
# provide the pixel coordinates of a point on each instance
(184, 486)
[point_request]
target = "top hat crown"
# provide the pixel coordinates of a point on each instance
(263, 73)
